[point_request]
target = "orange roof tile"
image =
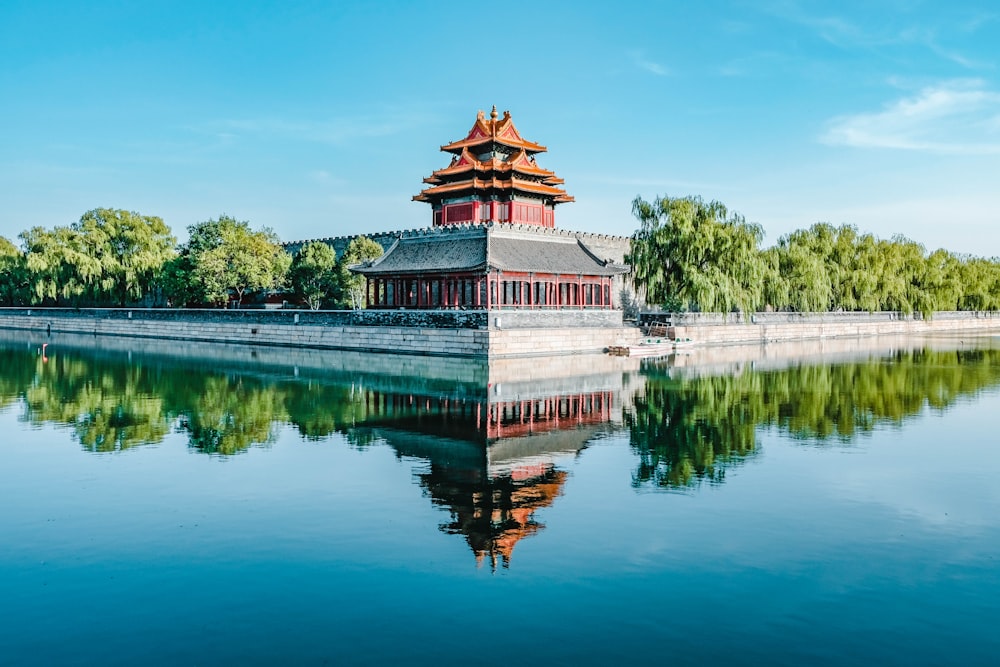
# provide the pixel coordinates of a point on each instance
(495, 184)
(501, 131)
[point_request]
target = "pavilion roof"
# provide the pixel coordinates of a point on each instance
(520, 162)
(492, 130)
(508, 184)
(499, 170)
(474, 248)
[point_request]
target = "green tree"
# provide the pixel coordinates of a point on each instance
(130, 249)
(695, 253)
(314, 275)
(13, 274)
(942, 279)
(360, 249)
(58, 264)
(802, 273)
(225, 257)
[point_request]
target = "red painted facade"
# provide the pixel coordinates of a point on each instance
(491, 291)
(493, 177)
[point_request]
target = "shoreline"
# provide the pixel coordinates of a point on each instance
(474, 334)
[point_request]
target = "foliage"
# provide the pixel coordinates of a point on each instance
(691, 255)
(130, 250)
(57, 265)
(108, 257)
(360, 249)
(314, 276)
(225, 258)
(692, 429)
(13, 275)
(697, 254)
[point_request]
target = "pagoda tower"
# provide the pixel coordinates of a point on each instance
(493, 177)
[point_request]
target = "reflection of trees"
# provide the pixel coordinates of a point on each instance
(228, 414)
(109, 410)
(319, 410)
(113, 404)
(688, 431)
(691, 429)
(17, 371)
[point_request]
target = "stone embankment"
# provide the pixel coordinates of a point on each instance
(475, 334)
(760, 328)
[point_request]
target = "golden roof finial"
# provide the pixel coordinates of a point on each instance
(493, 114)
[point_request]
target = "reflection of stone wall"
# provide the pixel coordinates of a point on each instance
(733, 359)
(517, 378)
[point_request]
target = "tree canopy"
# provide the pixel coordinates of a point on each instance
(314, 275)
(360, 249)
(226, 258)
(692, 255)
(130, 250)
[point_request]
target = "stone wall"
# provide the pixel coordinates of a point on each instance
(420, 332)
(765, 329)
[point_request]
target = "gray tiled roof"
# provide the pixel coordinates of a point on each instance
(546, 256)
(476, 248)
(430, 254)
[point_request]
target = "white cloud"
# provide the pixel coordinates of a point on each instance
(648, 65)
(957, 117)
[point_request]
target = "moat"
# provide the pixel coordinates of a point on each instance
(826, 503)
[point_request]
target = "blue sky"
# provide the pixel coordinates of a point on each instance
(321, 118)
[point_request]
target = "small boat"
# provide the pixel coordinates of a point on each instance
(651, 347)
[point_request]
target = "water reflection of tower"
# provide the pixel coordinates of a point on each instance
(492, 463)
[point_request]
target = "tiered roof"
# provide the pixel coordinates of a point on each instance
(493, 157)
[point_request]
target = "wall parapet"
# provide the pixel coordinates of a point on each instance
(767, 318)
(419, 318)
(438, 319)
(447, 333)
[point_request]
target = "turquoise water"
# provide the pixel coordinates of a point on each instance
(209, 505)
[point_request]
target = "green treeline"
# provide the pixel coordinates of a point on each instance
(692, 429)
(115, 258)
(689, 254)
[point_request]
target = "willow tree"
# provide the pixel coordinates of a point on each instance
(692, 254)
(13, 276)
(59, 266)
(942, 280)
(130, 250)
(802, 275)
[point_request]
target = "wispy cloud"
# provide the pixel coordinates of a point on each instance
(873, 36)
(957, 117)
(640, 61)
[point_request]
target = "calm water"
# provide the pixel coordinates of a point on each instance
(182, 504)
